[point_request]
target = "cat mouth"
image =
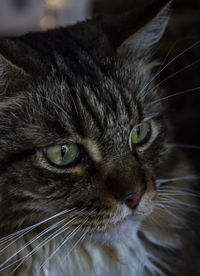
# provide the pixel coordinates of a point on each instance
(115, 221)
(119, 231)
(129, 223)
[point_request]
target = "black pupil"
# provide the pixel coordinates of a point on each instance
(137, 130)
(63, 151)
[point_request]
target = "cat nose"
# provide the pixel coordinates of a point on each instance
(125, 181)
(126, 192)
(132, 199)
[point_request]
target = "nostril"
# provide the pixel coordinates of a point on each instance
(133, 199)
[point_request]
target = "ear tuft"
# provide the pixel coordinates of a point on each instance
(150, 34)
(138, 28)
(10, 75)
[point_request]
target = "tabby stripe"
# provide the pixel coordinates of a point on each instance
(86, 52)
(127, 103)
(90, 109)
(113, 102)
(76, 116)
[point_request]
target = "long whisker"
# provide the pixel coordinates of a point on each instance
(176, 188)
(65, 241)
(44, 242)
(77, 242)
(169, 198)
(186, 146)
(170, 62)
(165, 206)
(178, 193)
(176, 94)
(187, 177)
(2, 240)
(52, 102)
(172, 75)
(42, 233)
(50, 228)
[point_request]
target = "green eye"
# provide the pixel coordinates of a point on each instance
(61, 155)
(140, 134)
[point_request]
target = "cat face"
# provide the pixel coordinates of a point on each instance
(80, 138)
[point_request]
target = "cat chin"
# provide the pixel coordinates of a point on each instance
(121, 232)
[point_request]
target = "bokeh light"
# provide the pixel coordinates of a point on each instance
(47, 22)
(55, 3)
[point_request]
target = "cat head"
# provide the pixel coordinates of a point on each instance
(80, 138)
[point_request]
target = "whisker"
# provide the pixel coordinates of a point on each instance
(65, 240)
(178, 192)
(168, 198)
(174, 179)
(186, 146)
(176, 188)
(170, 62)
(15, 241)
(176, 94)
(172, 75)
(174, 216)
(52, 102)
(44, 242)
(77, 242)
(50, 228)
(35, 225)
(163, 205)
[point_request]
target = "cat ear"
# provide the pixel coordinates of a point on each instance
(11, 76)
(138, 29)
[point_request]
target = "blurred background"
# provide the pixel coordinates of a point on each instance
(21, 16)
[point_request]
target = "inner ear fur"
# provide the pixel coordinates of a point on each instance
(140, 28)
(12, 77)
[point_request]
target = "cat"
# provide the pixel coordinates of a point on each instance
(88, 184)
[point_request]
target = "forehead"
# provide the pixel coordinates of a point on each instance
(90, 110)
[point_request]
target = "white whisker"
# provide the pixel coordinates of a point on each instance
(65, 240)
(172, 75)
(169, 198)
(178, 193)
(176, 94)
(170, 62)
(29, 228)
(176, 188)
(77, 242)
(174, 179)
(186, 146)
(44, 242)
(53, 226)
(166, 208)
(52, 102)
(50, 228)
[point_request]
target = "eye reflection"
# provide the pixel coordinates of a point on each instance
(61, 155)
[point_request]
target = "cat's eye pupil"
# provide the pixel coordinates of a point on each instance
(137, 130)
(62, 155)
(63, 151)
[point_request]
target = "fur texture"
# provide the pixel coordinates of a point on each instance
(90, 85)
